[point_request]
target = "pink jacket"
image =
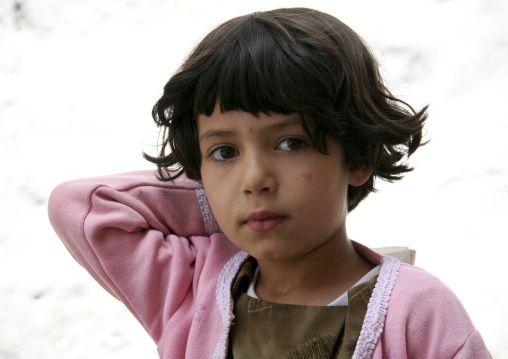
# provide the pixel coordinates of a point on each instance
(156, 247)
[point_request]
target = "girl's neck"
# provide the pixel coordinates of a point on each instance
(318, 278)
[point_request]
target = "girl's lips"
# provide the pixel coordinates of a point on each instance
(264, 221)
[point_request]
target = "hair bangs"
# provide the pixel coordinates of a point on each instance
(254, 74)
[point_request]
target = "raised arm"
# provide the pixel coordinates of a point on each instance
(138, 237)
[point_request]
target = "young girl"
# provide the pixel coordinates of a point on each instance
(275, 127)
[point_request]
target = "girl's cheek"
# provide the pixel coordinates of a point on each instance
(306, 175)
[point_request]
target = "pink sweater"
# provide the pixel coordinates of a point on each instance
(156, 247)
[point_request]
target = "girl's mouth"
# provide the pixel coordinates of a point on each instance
(264, 221)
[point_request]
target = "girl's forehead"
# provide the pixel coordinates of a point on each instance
(223, 124)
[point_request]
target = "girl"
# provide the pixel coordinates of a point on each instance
(275, 127)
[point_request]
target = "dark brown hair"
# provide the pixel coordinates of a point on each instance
(294, 60)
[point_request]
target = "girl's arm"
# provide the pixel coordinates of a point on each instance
(145, 241)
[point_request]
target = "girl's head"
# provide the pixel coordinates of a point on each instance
(286, 61)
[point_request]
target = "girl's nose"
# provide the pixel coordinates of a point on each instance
(258, 175)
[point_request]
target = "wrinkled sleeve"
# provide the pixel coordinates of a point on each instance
(137, 236)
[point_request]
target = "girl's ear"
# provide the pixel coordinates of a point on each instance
(359, 176)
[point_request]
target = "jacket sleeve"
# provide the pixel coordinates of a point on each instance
(473, 348)
(137, 236)
(425, 319)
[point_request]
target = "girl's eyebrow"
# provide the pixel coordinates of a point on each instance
(285, 123)
(214, 133)
(278, 125)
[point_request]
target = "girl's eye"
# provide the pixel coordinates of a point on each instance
(223, 153)
(291, 144)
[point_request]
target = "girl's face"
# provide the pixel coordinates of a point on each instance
(272, 193)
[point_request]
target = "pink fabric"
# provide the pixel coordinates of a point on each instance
(426, 320)
(154, 246)
(140, 239)
(376, 310)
